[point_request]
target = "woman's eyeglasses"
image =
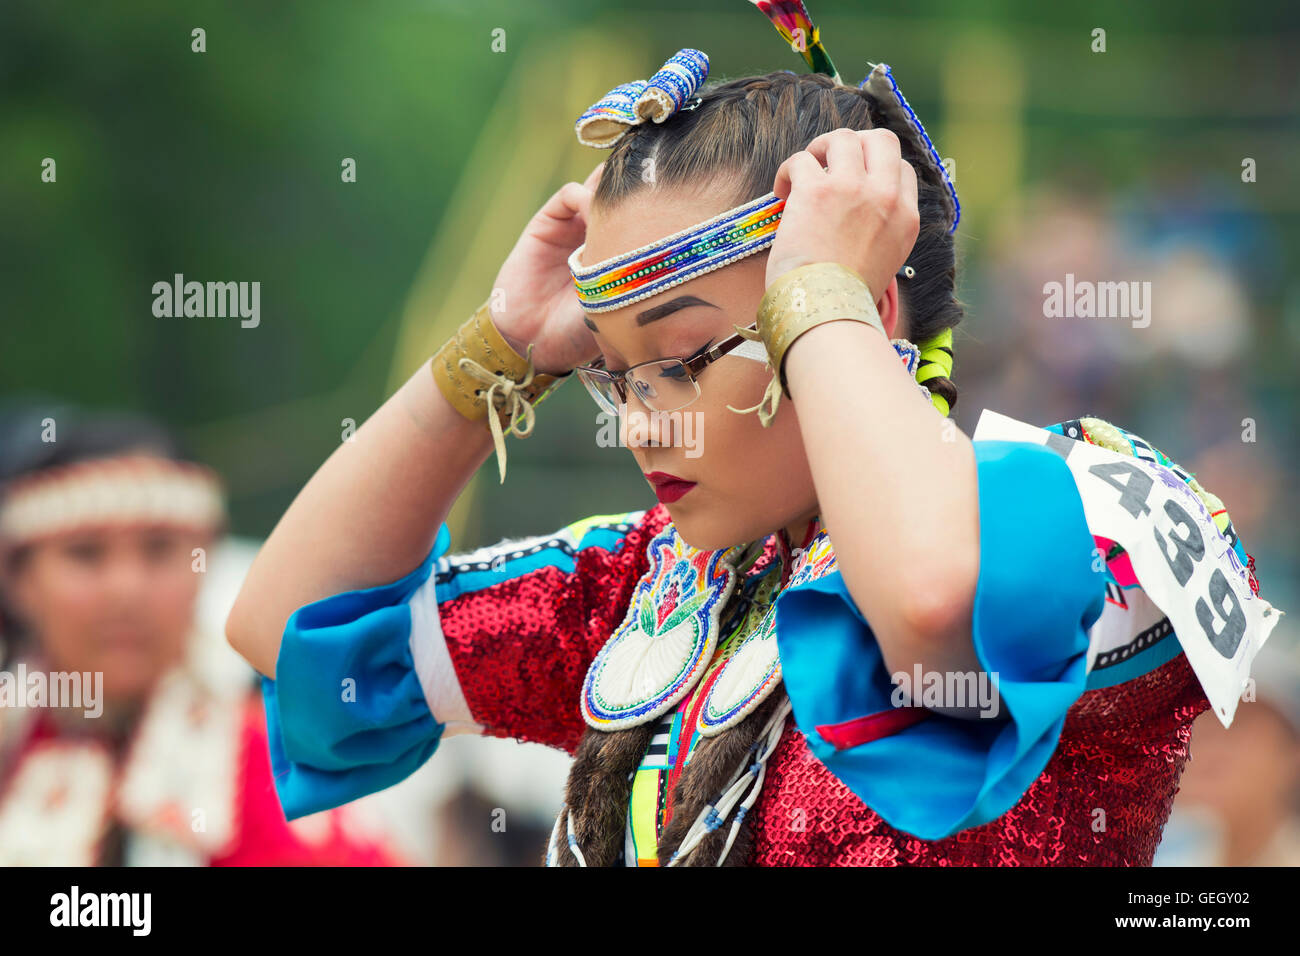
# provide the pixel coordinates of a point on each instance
(663, 385)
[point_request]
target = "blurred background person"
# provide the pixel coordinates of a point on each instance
(145, 747)
(1239, 799)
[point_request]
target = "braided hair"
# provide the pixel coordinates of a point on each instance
(744, 129)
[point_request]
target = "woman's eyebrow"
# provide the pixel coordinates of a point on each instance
(660, 311)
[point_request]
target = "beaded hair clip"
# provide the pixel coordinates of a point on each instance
(610, 118)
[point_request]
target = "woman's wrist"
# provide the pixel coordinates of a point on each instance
(797, 301)
(484, 377)
(479, 366)
(806, 297)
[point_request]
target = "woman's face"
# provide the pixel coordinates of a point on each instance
(749, 480)
(119, 601)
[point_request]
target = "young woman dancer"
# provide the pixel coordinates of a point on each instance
(976, 671)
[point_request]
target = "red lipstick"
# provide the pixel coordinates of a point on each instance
(668, 488)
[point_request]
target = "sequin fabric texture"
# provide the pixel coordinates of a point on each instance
(1102, 800)
(521, 650)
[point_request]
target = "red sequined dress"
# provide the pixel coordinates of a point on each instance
(503, 639)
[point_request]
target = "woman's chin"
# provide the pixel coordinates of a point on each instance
(705, 532)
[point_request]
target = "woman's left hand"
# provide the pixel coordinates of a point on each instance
(850, 198)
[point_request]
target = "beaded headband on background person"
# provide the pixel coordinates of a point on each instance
(126, 489)
(750, 227)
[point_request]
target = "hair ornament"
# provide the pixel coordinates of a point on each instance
(880, 83)
(610, 118)
(793, 22)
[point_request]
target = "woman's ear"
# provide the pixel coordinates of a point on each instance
(890, 307)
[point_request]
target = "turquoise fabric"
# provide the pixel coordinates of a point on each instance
(346, 715)
(1037, 595)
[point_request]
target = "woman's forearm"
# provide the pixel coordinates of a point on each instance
(898, 491)
(368, 516)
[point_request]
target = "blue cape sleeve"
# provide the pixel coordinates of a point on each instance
(346, 715)
(1036, 596)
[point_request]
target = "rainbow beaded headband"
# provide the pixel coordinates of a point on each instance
(672, 260)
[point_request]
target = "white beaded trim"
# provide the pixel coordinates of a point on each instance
(127, 489)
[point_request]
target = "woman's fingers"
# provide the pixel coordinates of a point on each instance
(876, 152)
(844, 154)
(883, 154)
(800, 165)
(841, 150)
(907, 188)
(567, 202)
(562, 221)
(582, 196)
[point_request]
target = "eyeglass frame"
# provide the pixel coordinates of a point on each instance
(692, 366)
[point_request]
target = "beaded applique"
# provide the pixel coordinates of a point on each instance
(910, 355)
(666, 640)
(751, 673)
(665, 643)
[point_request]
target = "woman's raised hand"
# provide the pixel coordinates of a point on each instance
(850, 198)
(533, 296)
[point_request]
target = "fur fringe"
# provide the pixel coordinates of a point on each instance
(600, 785)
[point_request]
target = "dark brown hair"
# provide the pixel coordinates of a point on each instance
(744, 129)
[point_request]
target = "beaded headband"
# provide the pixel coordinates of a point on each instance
(133, 489)
(649, 270)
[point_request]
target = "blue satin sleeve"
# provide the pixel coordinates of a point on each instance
(346, 715)
(1036, 596)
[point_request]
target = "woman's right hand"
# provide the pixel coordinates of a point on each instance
(533, 296)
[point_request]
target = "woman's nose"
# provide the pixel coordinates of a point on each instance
(640, 426)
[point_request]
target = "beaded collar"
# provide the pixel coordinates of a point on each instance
(672, 628)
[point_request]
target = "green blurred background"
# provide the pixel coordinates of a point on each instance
(225, 166)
